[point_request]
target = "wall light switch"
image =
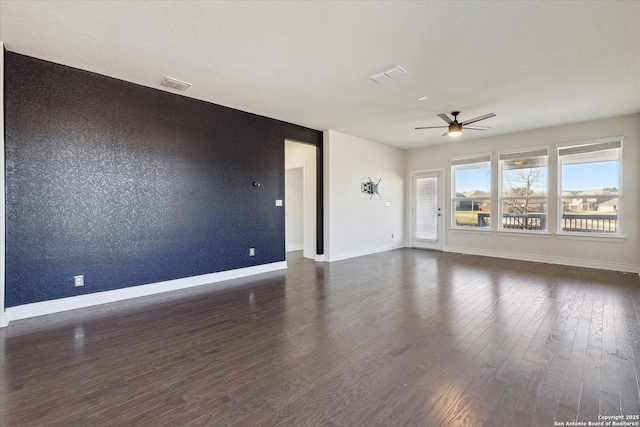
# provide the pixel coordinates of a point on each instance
(78, 281)
(278, 202)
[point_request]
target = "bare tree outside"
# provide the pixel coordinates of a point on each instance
(524, 195)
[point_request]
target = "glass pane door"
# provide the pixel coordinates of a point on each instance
(427, 208)
(427, 214)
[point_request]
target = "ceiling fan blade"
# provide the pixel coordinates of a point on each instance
(476, 127)
(432, 127)
(445, 134)
(465, 128)
(477, 119)
(445, 118)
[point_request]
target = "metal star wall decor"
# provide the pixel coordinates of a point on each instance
(370, 187)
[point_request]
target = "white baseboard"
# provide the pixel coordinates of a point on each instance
(88, 300)
(362, 252)
(4, 321)
(575, 262)
(295, 247)
(320, 258)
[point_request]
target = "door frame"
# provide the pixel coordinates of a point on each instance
(440, 174)
(312, 215)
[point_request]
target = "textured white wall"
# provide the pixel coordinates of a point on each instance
(623, 256)
(355, 223)
(299, 155)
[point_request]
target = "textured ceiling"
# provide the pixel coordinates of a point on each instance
(534, 64)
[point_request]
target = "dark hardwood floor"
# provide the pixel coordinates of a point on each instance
(401, 338)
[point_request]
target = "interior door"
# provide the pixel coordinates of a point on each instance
(427, 210)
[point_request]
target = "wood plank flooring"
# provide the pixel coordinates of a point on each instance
(401, 338)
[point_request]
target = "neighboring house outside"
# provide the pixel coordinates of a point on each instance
(591, 201)
(609, 206)
(476, 205)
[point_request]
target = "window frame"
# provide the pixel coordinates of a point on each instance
(522, 153)
(606, 143)
(469, 160)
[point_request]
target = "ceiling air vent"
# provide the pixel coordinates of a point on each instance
(391, 73)
(175, 83)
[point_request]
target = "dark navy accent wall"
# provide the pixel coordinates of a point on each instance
(130, 185)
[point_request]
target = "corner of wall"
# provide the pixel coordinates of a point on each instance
(3, 317)
(326, 196)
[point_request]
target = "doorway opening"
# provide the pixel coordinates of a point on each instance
(300, 197)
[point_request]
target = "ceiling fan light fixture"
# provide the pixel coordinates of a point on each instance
(455, 129)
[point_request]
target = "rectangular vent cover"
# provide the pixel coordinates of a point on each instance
(386, 75)
(175, 83)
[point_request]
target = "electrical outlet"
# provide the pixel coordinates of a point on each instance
(513, 241)
(252, 251)
(392, 235)
(78, 281)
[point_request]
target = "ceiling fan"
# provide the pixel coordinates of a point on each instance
(455, 127)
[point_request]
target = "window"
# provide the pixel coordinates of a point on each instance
(524, 190)
(471, 192)
(589, 196)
